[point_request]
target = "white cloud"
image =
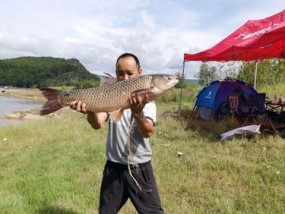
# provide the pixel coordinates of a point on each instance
(96, 32)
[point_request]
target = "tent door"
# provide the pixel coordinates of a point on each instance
(233, 103)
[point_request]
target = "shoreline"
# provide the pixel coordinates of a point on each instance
(33, 94)
(24, 93)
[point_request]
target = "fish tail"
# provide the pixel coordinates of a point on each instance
(53, 101)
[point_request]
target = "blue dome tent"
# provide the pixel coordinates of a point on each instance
(213, 100)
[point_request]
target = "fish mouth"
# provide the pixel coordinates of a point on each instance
(172, 83)
(165, 82)
(175, 82)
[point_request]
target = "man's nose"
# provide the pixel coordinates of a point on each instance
(125, 77)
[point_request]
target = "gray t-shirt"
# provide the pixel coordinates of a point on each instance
(118, 138)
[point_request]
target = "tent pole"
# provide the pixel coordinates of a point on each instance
(255, 75)
(181, 88)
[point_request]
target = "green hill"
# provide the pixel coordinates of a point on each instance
(45, 72)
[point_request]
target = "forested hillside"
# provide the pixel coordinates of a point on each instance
(45, 72)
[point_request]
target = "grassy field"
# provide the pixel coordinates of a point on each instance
(55, 166)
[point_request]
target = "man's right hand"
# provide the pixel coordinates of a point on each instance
(96, 120)
(78, 106)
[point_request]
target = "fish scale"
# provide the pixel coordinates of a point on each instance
(109, 97)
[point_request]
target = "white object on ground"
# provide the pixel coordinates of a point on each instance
(245, 131)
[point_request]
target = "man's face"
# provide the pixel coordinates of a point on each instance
(127, 68)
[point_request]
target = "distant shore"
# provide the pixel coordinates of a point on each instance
(23, 93)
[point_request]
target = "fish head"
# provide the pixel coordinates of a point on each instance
(162, 83)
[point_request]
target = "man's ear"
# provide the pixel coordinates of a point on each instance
(140, 71)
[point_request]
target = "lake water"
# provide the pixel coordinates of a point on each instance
(10, 105)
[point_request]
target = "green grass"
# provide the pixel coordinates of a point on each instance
(272, 90)
(55, 166)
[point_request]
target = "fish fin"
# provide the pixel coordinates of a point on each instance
(53, 101)
(107, 74)
(107, 80)
(116, 115)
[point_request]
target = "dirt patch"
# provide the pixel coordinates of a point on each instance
(28, 115)
(22, 116)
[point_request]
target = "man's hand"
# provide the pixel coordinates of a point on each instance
(96, 120)
(138, 101)
(78, 106)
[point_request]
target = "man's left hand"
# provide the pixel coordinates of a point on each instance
(138, 101)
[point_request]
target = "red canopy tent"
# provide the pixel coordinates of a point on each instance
(255, 40)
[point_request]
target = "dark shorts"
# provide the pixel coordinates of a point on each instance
(118, 186)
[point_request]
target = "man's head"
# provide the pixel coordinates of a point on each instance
(127, 66)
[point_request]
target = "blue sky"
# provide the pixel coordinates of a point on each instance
(96, 32)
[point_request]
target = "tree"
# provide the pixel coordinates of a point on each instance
(228, 70)
(207, 74)
(44, 72)
(268, 71)
(180, 77)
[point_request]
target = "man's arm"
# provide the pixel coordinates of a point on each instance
(96, 120)
(144, 124)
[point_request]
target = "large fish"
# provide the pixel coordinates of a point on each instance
(112, 96)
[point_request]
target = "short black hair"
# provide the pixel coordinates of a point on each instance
(129, 55)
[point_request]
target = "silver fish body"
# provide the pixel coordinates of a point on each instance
(109, 97)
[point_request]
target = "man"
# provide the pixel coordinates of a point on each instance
(128, 172)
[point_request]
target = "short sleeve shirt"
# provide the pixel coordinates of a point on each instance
(118, 138)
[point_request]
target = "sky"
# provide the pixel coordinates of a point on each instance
(96, 32)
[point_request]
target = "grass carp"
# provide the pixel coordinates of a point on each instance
(113, 96)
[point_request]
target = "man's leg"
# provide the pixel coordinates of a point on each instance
(147, 200)
(112, 194)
